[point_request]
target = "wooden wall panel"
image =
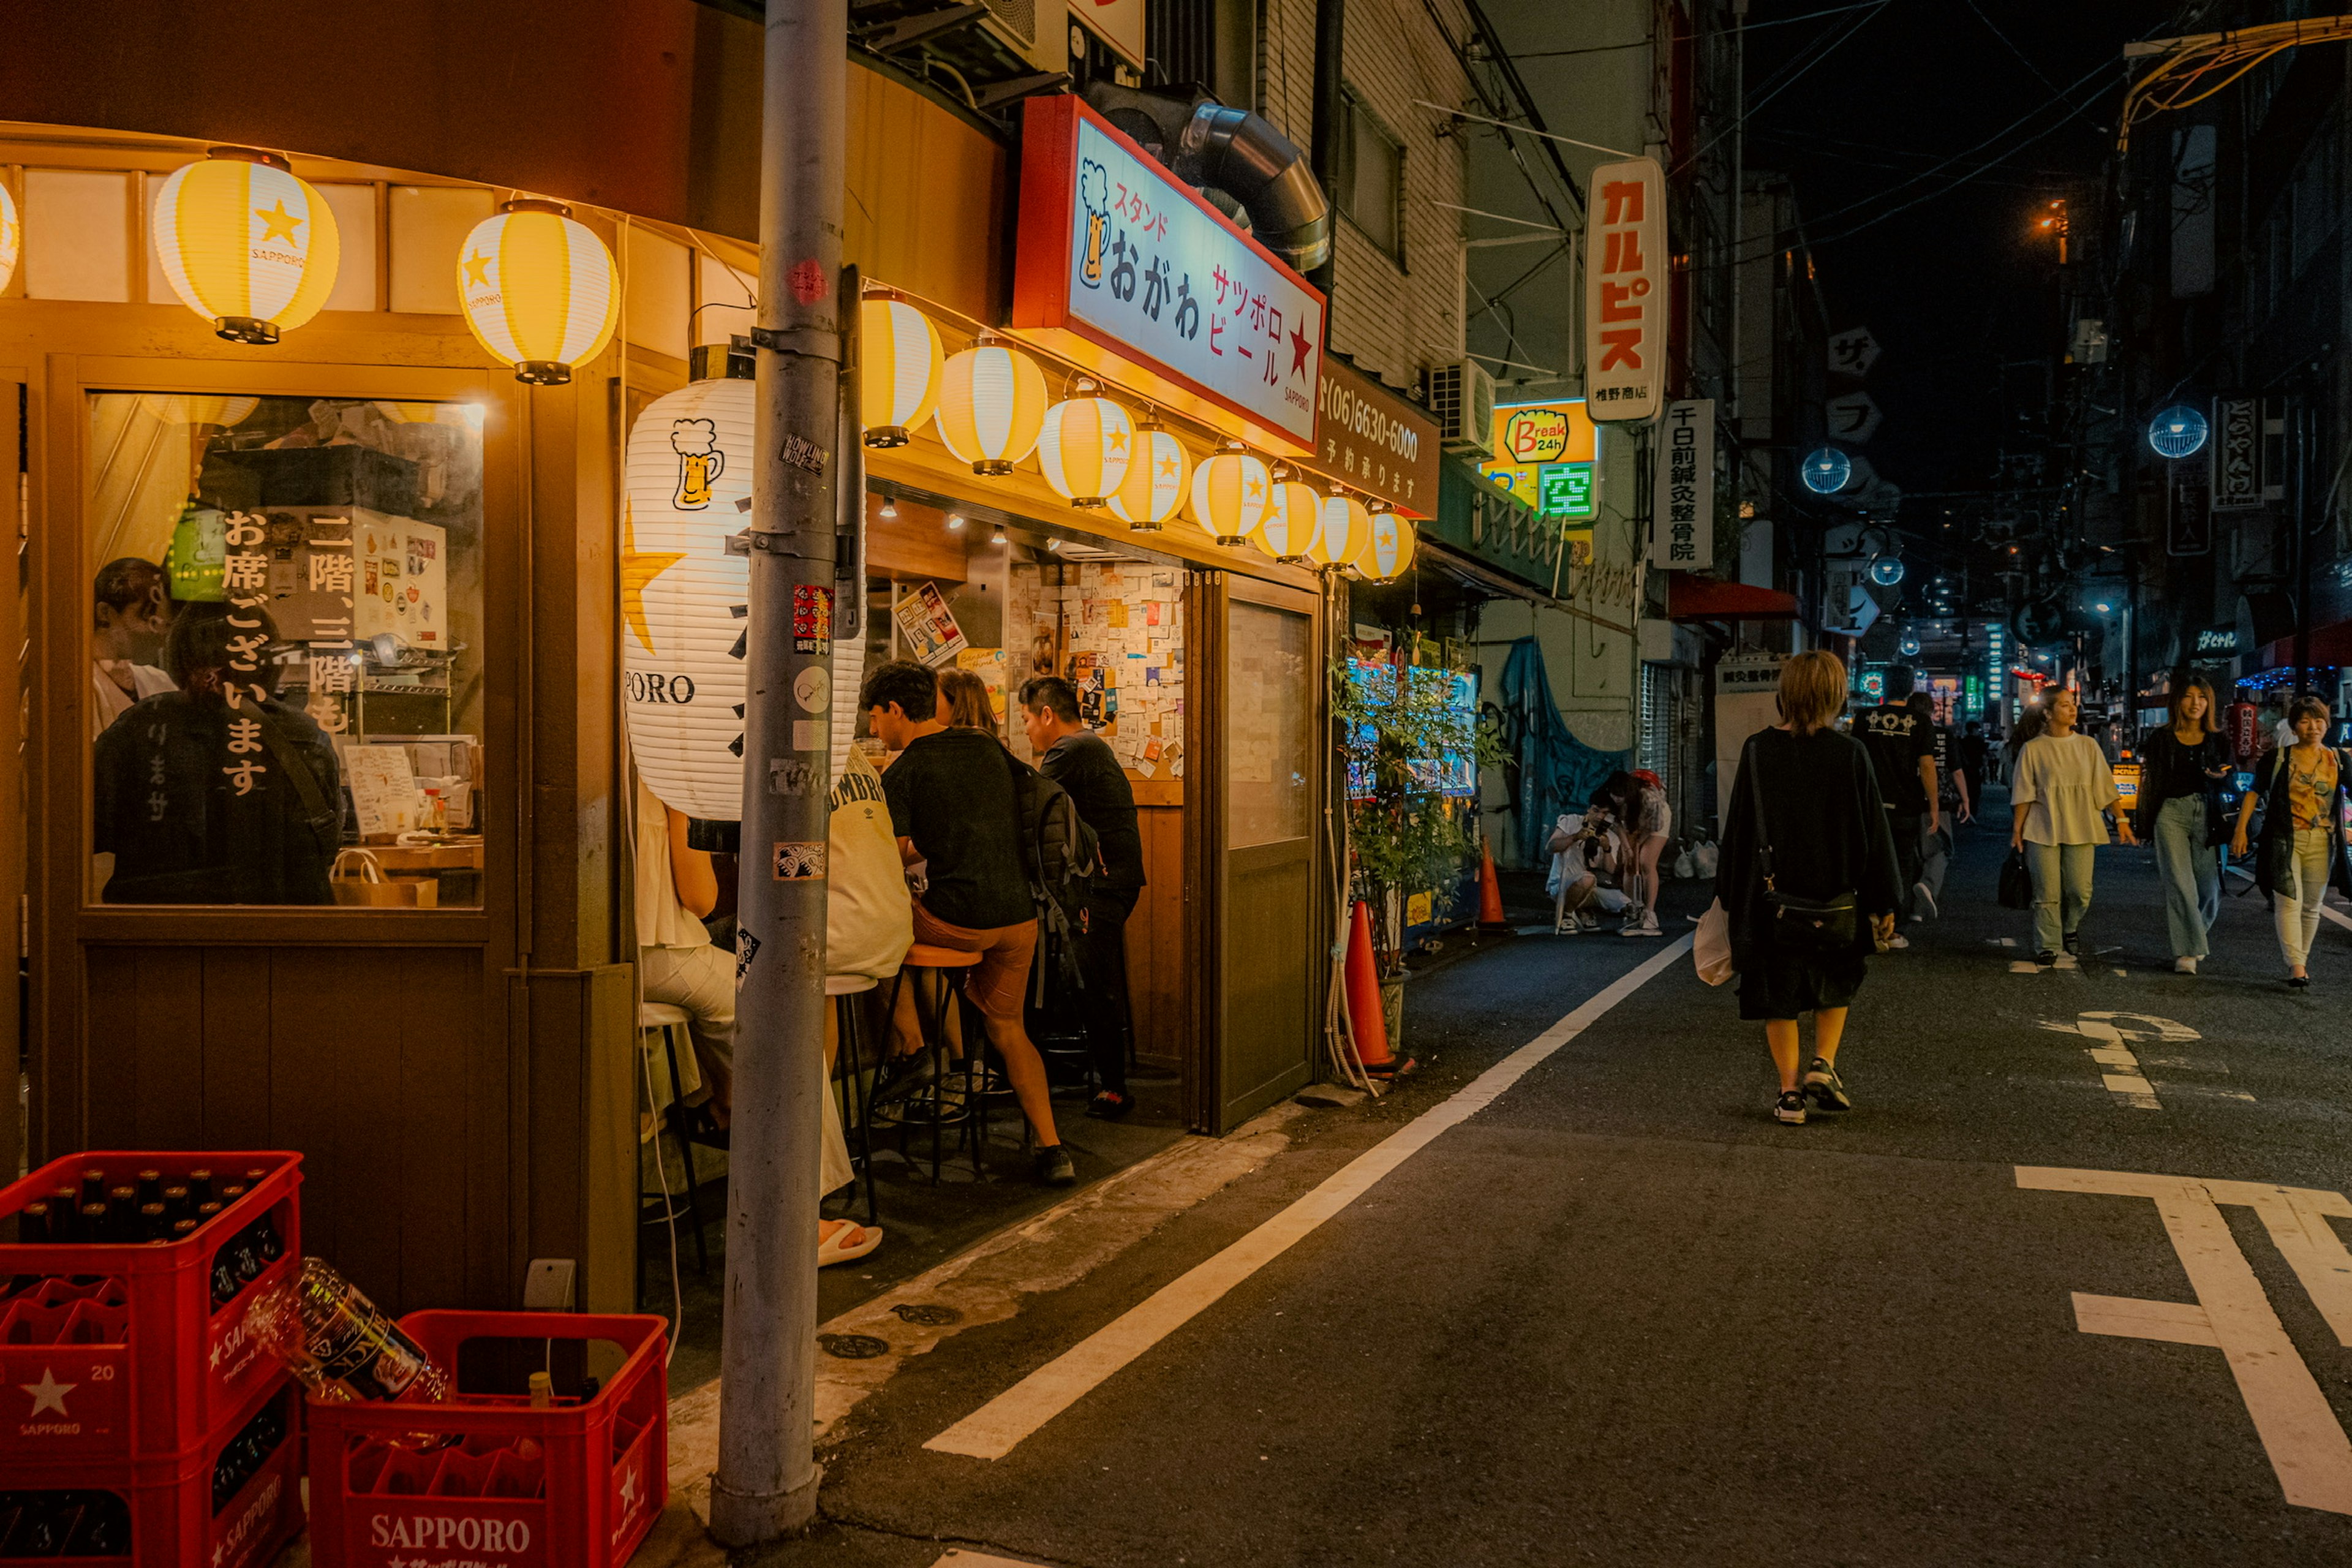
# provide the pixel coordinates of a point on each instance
(112, 1013)
(236, 1079)
(1155, 940)
(168, 1073)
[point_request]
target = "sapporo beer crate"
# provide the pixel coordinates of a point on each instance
(489, 1480)
(123, 1350)
(233, 1501)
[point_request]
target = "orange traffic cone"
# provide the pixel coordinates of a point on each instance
(1366, 1020)
(1490, 892)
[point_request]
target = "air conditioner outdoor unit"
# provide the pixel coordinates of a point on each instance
(1037, 30)
(1462, 398)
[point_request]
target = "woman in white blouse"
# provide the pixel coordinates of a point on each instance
(2061, 790)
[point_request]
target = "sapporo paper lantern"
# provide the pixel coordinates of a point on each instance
(684, 599)
(1388, 549)
(1294, 521)
(1084, 448)
(992, 405)
(536, 287)
(11, 237)
(1155, 482)
(1230, 493)
(245, 243)
(898, 366)
(1346, 529)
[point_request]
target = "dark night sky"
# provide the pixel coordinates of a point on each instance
(1957, 283)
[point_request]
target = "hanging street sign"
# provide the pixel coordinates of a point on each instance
(1126, 269)
(1853, 418)
(1625, 292)
(1853, 352)
(1683, 535)
(2236, 454)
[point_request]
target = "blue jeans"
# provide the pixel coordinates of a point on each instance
(2191, 874)
(2062, 877)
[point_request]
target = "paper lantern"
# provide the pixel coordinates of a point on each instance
(1293, 521)
(1388, 548)
(1346, 529)
(537, 289)
(1084, 448)
(684, 599)
(1155, 482)
(245, 243)
(199, 410)
(992, 405)
(11, 235)
(1230, 493)
(899, 359)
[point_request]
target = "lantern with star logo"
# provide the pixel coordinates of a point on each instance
(1086, 447)
(992, 405)
(537, 289)
(1230, 493)
(1388, 547)
(899, 362)
(1346, 529)
(685, 601)
(1294, 521)
(245, 243)
(1154, 485)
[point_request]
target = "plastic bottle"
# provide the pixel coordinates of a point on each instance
(340, 1343)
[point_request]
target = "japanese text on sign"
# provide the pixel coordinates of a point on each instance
(1625, 291)
(1683, 535)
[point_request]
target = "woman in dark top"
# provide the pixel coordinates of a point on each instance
(2182, 769)
(1828, 838)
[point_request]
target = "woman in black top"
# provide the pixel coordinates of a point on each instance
(2182, 769)
(1825, 827)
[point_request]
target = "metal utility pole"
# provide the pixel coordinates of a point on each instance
(766, 1483)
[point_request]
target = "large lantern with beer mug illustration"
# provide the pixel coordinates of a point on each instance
(992, 405)
(1084, 448)
(1388, 548)
(898, 366)
(1346, 529)
(537, 289)
(1230, 492)
(245, 243)
(684, 598)
(1294, 520)
(1154, 485)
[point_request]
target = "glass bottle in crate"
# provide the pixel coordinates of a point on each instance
(340, 1343)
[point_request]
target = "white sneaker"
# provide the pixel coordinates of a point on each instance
(1927, 899)
(2184, 966)
(1898, 939)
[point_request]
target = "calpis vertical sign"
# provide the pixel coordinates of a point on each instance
(1625, 292)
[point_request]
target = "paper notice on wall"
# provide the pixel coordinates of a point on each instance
(928, 627)
(988, 663)
(383, 789)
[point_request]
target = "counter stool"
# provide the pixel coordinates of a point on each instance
(671, 1021)
(935, 973)
(850, 1056)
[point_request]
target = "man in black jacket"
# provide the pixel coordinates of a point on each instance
(1079, 761)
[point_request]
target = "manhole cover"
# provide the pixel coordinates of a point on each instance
(928, 1316)
(853, 1347)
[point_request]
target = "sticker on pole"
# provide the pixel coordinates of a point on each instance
(812, 619)
(800, 862)
(812, 688)
(747, 948)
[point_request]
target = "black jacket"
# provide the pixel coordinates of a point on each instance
(2164, 762)
(2276, 847)
(1828, 832)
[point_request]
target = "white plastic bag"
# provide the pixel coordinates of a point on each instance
(1684, 867)
(1711, 948)
(1706, 858)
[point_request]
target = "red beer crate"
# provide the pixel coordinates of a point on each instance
(162, 1513)
(576, 1486)
(114, 1351)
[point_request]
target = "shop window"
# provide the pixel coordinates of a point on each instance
(286, 692)
(77, 235)
(355, 218)
(1269, 732)
(1114, 628)
(1370, 176)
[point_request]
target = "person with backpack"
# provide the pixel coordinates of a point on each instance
(1807, 879)
(956, 804)
(2303, 789)
(1083, 763)
(1902, 750)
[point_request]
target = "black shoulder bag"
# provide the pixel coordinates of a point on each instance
(1802, 928)
(322, 818)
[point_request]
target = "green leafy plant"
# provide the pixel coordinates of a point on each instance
(1404, 735)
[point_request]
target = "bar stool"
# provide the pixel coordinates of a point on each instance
(670, 1020)
(850, 1054)
(938, 971)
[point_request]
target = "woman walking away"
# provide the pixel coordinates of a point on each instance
(2304, 790)
(2061, 791)
(2180, 811)
(1807, 859)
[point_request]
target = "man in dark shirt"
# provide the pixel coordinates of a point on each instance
(953, 807)
(1969, 760)
(1902, 748)
(1079, 761)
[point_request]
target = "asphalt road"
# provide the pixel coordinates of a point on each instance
(1619, 1316)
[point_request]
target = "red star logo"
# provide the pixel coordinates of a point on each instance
(1301, 345)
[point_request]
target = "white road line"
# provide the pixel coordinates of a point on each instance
(996, 1428)
(2338, 916)
(2307, 1447)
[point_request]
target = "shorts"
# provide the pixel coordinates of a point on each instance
(998, 984)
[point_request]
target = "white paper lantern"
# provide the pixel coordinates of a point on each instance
(1230, 492)
(992, 405)
(1388, 550)
(1346, 529)
(538, 288)
(245, 244)
(1294, 520)
(12, 234)
(1155, 483)
(1084, 448)
(684, 599)
(898, 369)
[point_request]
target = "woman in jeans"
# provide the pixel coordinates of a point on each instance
(2060, 791)
(1826, 828)
(2183, 766)
(2303, 787)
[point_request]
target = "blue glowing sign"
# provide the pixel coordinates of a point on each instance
(1908, 647)
(1886, 571)
(1827, 470)
(2178, 432)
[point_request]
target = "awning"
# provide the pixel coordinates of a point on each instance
(1695, 598)
(2331, 646)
